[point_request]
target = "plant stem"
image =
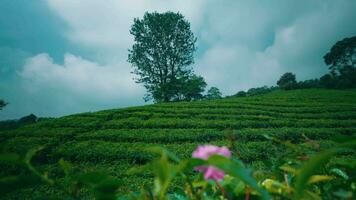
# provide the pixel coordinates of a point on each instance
(222, 189)
(247, 191)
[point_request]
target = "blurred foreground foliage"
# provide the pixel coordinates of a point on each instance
(300, 174)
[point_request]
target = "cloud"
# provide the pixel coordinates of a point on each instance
(77, 85)
(106, 25)
(250, 44)
(79, 76)
(222, 66)
(300, 46)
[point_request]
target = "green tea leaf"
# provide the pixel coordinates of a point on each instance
(106, 189)
(237, 170)
(163, 151)
(314, 164)
(11, 158)
(274, 186)
(340, 173)
(91, 178)
(289, 169)
(12, 183)
(319, 178)
(66, 166)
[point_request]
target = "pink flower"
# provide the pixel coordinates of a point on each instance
(204, 152)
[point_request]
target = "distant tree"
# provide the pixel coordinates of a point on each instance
(29, 119)
(162, 54)
(2, 104)
(341, 55)
(240, 94)
(312, 83)
(287, 81)
(213, 93)
(260, 90)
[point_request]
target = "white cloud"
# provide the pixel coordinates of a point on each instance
(79, 76)
(96, 23)
(77, 85)
(221, 66)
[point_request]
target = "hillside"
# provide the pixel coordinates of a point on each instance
(114, 140)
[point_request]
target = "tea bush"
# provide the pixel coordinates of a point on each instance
(112, 141)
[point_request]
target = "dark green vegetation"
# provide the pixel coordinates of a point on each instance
(287, 81)
(213, 93)
(114, 140)
(341, 55)
(2, 104)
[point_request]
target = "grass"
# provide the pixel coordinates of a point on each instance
(115, 140)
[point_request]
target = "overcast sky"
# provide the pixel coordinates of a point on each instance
(59, 57)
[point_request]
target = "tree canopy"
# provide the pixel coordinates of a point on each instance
(162, 54)
(2, 104)
(342, 62)
(342, 54)
(213, 93)
(287, 81)
(191, 88)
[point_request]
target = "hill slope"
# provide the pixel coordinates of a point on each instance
(113, 140)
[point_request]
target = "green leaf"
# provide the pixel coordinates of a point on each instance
(340, 173)
(289, 169)
(28, 159)
(237, 186)
(343, 194)
(309, 169)
(66, 166)
(312, 195)
(178, 197)
(314, 164)
(236, 169)
(11, 158)
(31, 153)
(163, 151)
(165, 172)
(190, 164)
(91, 178)
(12, 183)
(101, 185)
(342, 138)
(138, 169)
(106, 189)
(319, 178)
(274, 186)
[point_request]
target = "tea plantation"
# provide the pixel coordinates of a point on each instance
(115, 140)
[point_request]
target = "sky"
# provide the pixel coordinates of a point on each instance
(59, 57)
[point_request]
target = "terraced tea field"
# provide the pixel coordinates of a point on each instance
(114, 140)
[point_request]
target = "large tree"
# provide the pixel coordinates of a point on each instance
(342, 55)
(162, 54)
(287, 81)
